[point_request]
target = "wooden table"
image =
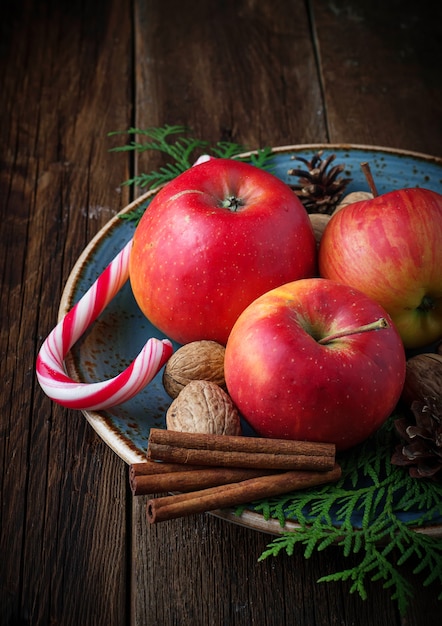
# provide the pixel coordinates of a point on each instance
(75, 545)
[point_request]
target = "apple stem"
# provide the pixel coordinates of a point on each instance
(232, 203)
(380, 323)
(370, 180)
(427, 304)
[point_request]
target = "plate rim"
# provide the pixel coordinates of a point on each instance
(248, 519)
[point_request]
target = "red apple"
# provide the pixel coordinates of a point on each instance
(390, 248)
(212, 240)
(293, 376)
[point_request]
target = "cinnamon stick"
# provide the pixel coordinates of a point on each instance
(233, 494)
(190, 479)
(240, 443)
(238, 451)
(149, 468)
(234, 458)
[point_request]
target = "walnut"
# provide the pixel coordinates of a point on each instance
(198, 360)
(351, 198)
(319, 222)
(203, 407)
(423, 377)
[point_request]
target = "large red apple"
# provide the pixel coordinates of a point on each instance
(301, 363)
(390, 248)
(212, 240)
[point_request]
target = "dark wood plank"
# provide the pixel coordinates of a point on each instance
(63, 539)
(198, 66)
(213, 577)
(381, 72)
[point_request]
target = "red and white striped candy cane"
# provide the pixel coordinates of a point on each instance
(100, 395)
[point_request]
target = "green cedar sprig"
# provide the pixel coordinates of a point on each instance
(183, 150)
(376, 494)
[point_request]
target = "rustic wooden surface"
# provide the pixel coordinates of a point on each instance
(75, 548)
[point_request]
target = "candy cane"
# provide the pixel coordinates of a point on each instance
(100, 395)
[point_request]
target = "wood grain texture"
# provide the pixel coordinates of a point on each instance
(75, 547)
(223, 583)
(381, 72)
(62, 91)
(202, 72)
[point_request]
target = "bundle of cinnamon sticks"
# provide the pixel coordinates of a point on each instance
(220, 471)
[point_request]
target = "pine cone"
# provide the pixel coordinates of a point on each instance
(318, 188)
(421, 447)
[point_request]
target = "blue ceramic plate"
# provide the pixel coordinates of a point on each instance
(121, 331)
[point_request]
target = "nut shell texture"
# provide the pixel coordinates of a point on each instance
(203, 407)
(423, 377)
(198, 360)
